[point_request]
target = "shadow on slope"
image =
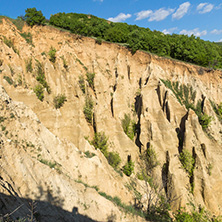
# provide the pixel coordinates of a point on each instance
(13, 208)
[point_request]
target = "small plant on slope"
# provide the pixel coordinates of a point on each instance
(59, 100)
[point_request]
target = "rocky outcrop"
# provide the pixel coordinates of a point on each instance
(43, 152)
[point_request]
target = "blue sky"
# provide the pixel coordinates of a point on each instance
(199, 17)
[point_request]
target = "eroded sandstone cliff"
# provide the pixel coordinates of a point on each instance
(44, 149)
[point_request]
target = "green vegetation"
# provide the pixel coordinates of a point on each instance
(10, 44)
(65, 64)
(27, 37)
(34, 17)
(150, 159)
(51, 164)
(128, 168)
(28, 65)
(217, 109)
(90, 79)
(129, 126)
(40, 76)
(205, 121)
(88, 109)
(89, 154)
(189, 49)
(59, 100)
(8, 79)
(186, 95)
(100, 142)
(196, 215)
(52, 55)
(113, 159)
(187, 161)
(39, 91)
(209, 168)
(82, 84)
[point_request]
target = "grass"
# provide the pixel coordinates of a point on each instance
(10, 44)
(27, 37)
(39, 91)
(129, 126)
(90, 79)
(8, 79)
(52, 55)
(82, 84)
(59, 100)
(28, 65)
(88, 109)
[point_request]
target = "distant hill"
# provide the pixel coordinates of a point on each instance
(189, 49)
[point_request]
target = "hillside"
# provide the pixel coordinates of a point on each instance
(72, 108)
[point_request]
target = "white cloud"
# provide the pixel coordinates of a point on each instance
(181, 11)
(204, 7)
(119, 18)
(219, 6)
(160, 14)
(195, 32)
(169, 31)
(220, 40)
(98, 0)
(143, 14)
(216, 31)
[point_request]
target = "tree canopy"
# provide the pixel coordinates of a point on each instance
(34, 17)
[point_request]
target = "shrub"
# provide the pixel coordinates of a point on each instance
(150, 159)
(8, 79)
(187, 161)
(38, 90)
(27, 37)
(129, 127)
(28, 65)
(82, 84)
(90, 79)
(89, 154)
(88, 109)
(59, 100)
(34, 17)
(113, 159)
(52, 55)
(65, 65)
(128, 168)
(40, 77)
(100, 142)
(10, 44)
(205, 120)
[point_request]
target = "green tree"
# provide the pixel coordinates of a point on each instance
(34, 17)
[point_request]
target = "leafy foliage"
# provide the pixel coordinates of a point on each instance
(205, 120)
(189, 49)
(88, 109)
(90, 79)
(40, 77)
(82, 84)
(187, 161)
(39, 91)
(34, 17)
(10, 44)
(52, 55)
(27, 37)
(8, 79)
(113, 159)
(28, 65)
(100, 142)
(128, 168)
(59, 100)
(129, 126)
(150, 158)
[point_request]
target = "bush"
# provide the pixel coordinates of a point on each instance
(40, 77)
(128, 168)
(187, 161)
(8, 79)
(52, 57)
(100, 142)
(65, 65)
(88, 109)
(82, 84)
(27, 37)
(10, 44)
(150, 159)
(90, 79)
(129, 127)
(38, 90)
(205, 120)
(113, 159)
(59, 100)
(34, 17)
(28, 65)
